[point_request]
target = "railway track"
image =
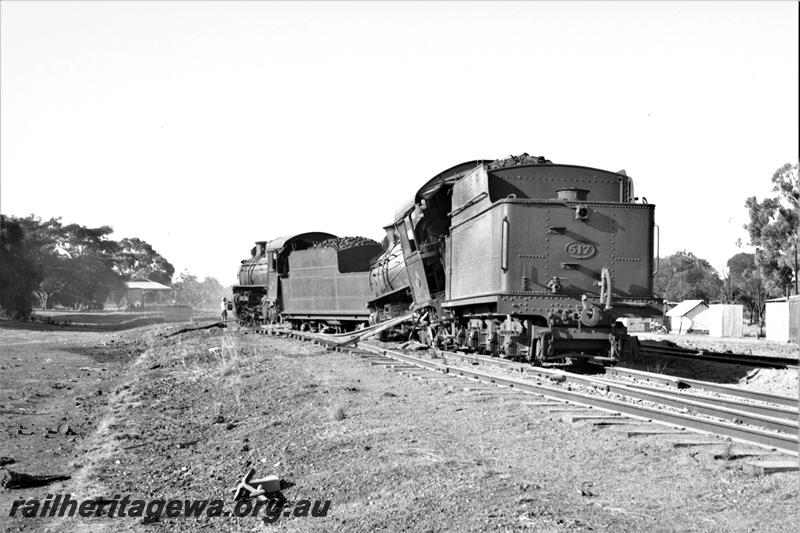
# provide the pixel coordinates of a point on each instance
(769, 411)
(730, 412)
(656, 349)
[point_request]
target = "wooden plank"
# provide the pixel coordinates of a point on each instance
(774, 466)
(654, 432)
(591, 418)
(693, 442)
(739, 453)
(612, 423)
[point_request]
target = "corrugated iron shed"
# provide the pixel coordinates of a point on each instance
(782, 317)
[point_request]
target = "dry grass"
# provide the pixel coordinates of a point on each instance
(217, 359)
(200, 363)
(659, 367)
(727, 453)
(230, 358)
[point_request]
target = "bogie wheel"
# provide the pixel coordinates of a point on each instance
(538, 351)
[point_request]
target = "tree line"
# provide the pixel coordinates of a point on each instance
(754, 278)
(684, 276)
(47, 263)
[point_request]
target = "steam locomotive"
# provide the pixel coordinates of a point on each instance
(518, 257)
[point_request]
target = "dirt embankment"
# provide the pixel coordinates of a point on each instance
(191, 414)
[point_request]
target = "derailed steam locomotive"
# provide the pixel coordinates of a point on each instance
(519, 257)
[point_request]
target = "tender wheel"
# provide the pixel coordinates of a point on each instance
(544, 348)
(538, 351)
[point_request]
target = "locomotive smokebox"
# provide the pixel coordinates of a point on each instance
(573, 194)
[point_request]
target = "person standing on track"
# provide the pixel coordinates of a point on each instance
(224, 306)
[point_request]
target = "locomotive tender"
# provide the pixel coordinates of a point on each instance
(519, 256)
(313, 278)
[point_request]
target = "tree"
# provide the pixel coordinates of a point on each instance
(748, 285)
(19, 273)
(76, 262)
(204, 294)
(773, 229)
(71, 264)
(135, 258)
(683, 276)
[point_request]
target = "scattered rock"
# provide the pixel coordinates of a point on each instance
(587, 489)
(18, 480)
(338, 413)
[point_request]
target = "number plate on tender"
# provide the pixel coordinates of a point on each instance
(580, 250)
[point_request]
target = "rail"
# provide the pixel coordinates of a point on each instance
(763, 425)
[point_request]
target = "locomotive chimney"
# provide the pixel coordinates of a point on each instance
(260, 246)
(572, 194)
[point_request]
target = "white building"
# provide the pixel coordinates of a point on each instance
(685, 316)
(782, 317)
(724, 320)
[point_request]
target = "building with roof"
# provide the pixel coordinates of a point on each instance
(724, 320)
(685, 316)
(143, 291)
(782, 318)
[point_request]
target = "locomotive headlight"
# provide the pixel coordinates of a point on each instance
(581, 212)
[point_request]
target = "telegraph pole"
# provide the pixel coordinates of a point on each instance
(796, 275)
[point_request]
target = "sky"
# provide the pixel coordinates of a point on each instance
(203, 127)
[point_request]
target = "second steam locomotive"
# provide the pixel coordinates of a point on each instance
(517, 257)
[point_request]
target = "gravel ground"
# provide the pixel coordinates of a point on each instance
(772, 380)
(186, 416)
(742, 345)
